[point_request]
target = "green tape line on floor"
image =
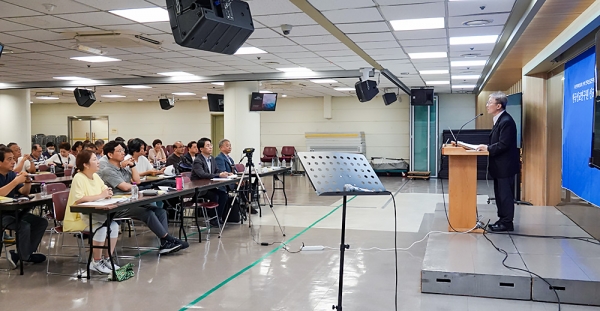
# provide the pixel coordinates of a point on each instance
(229, 279)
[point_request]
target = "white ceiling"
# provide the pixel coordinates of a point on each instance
(42, 42)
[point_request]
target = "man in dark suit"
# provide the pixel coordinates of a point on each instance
(227, 164)
(205, 167)
(503, 160)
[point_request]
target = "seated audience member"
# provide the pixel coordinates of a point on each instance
(205, 167)
(76, 148)
(16, 150)
(119, 174)
(36, 158)
(49, 150)
(120, 139)
(190, 156)
(89, 146)
(63, 159)
(175, 157)
(226, 164)
(157, 153)
(87, 186)
(137, 151)
(32, 228)
(99, 145)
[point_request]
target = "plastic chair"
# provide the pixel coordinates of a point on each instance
(55, 187)
(268, 154)
(169, 150)
(68, 172)
(42, 177)
(43, 168)
(59, 200)
(287, 154)
(240, 167)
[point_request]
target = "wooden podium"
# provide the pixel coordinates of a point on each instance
(462, 180)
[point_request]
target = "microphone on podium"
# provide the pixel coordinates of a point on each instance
(479, 115)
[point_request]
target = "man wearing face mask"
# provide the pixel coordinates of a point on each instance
(50, 148)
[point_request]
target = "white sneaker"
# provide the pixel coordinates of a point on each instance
(107, 264)
(99, 266)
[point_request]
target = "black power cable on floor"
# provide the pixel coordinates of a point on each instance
(505, 253)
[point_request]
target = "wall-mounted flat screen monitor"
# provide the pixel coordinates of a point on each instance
(215, 102)
(263, 101)
(595, 157)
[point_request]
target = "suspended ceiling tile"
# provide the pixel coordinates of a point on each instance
(337, 4)
(326, 47)
(412, 11)
(44, 22)
(259, 43)
(39, 35)
(11, 10)
(423, 42)
(7, 25)
(372, 37)
(378, 45)
(315, 39)
(353, 15)
(420, 34)
(458, 8)
(476, 31)
(96, 18)
(269, 7)
(296, 19)
(302, 31)
(116, 4)
(351, 28)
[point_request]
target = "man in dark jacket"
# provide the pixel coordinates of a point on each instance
(503, 160)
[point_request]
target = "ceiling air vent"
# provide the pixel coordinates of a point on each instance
(116, 39)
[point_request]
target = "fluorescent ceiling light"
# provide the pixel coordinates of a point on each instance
(464, 86)
(342, 89)
(473, 40)
(113, 96)
(467, 63)
(466, 77)
(204, 97)
(146, 15)
(323, 81)
(428, 55)
(437, 82)
(96, 59)
(265, 92)
(71, 78)
(283, 95)
(218, 83)
(249, 50)
(296, 70)
(137, 86)
(434, 72)
(184, 93)
(46, 97)
(176, 74)
(68, 88)
(85, 48)
(419, 23)
(140, 99)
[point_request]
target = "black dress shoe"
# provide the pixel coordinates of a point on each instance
(253, 211)
(501, 226)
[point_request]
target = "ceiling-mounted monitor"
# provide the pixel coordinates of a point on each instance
(421, 97)
(216, 102)
(263, 101)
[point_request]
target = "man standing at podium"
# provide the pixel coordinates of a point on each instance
(503, 160)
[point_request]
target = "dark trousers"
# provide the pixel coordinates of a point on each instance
(154, 217)
(30, 233)
(505, 198)
(215, 195)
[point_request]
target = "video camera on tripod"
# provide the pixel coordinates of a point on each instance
(248, 152)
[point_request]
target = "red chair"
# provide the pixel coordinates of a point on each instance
(42, 177)
(287, 154)
(166, 151)
(240, 167)
(268, 154)
(186, 176)
(68, 172)
(169, 150)
(43, 168)
(55, 187)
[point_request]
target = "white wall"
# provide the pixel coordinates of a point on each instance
(188, 120)
(455, 110)
(386, 127)
(15, 125)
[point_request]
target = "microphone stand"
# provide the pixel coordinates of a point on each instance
(479, 115)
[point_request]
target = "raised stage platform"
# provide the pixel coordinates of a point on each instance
(467, 264)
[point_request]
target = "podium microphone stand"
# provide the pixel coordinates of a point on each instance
(341, 174)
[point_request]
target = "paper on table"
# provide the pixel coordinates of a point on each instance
(5, 200)
(467, 146)
(104, 202)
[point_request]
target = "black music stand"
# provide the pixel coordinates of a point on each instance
(341, 174)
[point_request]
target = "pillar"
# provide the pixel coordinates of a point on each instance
(242, 127)
(15, 126)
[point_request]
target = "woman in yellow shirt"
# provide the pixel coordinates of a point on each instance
(87, 186)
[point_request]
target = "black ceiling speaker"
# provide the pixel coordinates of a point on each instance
(366, 90)
(220, 26)
(84, 97)
(389, 98)
(166, 103)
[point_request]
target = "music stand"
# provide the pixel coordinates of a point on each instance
(341, 174)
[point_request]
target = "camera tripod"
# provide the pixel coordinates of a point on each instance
(256, 187)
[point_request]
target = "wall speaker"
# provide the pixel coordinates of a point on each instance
(389, 98)
(366, 90)
(84, 97)
(166, 103)
(216, 26)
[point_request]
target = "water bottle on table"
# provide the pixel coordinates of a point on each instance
(134, 192)
(44, 190)
(52, 169)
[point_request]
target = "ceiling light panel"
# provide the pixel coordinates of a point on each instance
(249, 50)
(418, 23)
(428, 55)
(437, 82)
(146, 15)
(468, 63)
(434, 72)
(465, 77)
(184, 93)
(96, 59)
(137, 86)
(473, 40)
